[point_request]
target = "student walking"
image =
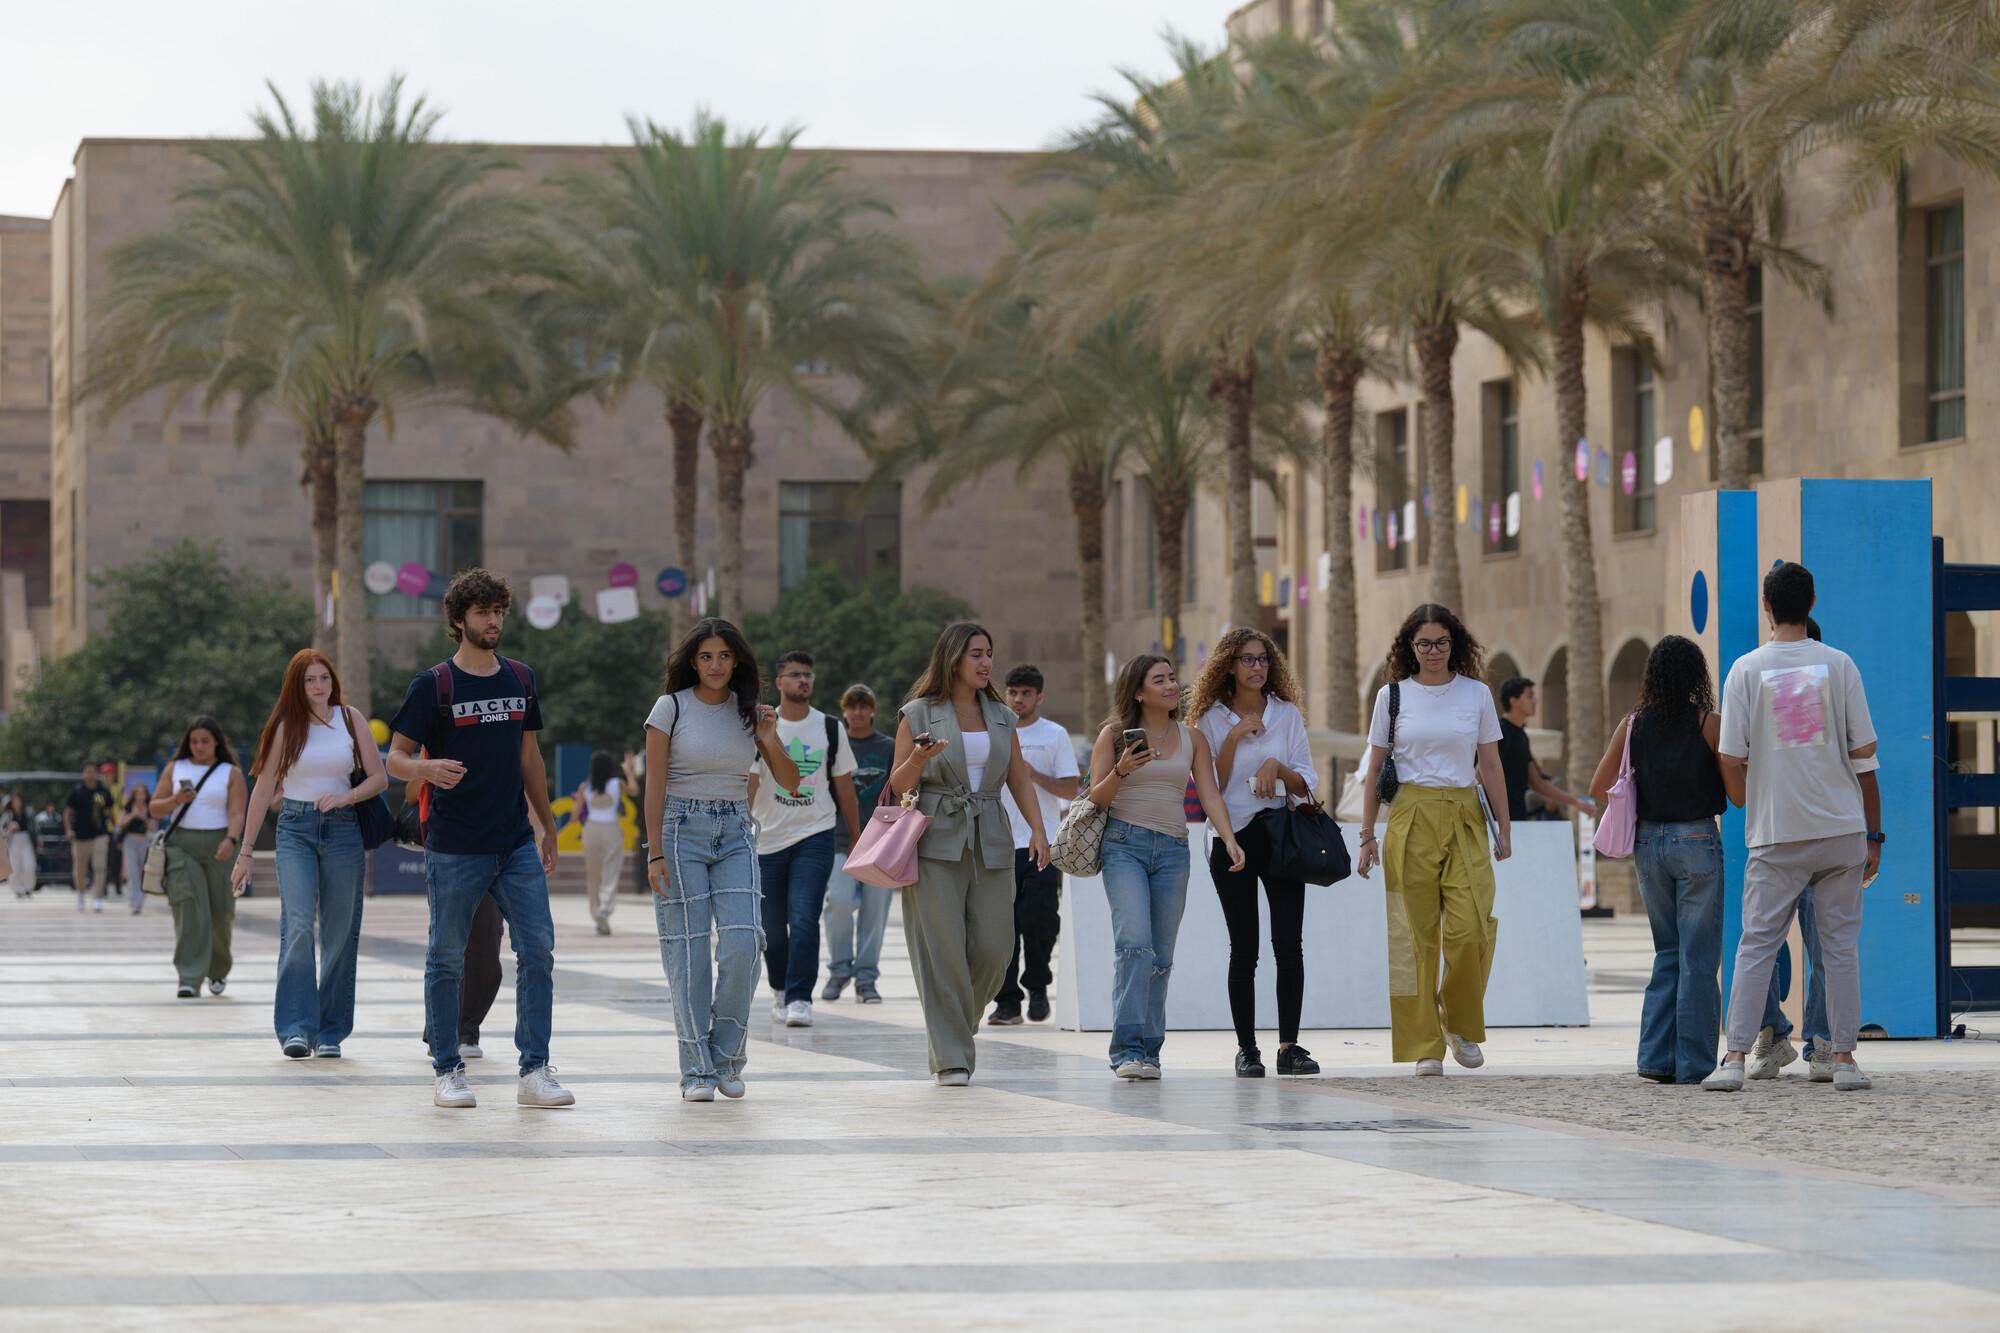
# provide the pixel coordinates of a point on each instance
(306, 761)
(204, 792)
(1798, 750)
(480, 984)
(134, 828)
(476, 714)
(600, 804)
(87, 818)
(1143, 759)
(1247, 705)
(1677, 850)
(17, 826)
(956, 749)
(857, 914)
(795, 838)
(705, 731)
(1518, 767)
(1051, 760)
(1437, 721)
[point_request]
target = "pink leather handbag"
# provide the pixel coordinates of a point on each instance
(885, 854)
(1619, 826)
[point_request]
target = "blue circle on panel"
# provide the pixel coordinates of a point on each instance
(1698, 602)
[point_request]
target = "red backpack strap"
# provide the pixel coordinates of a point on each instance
(523, 675)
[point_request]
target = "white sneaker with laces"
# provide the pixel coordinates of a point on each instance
(1430, 1069)
(1467, 1053)
(1769, 1054)
(1849, 1078)
(454, 1092)
(799, 1014)
(699, 1092)
(471, 1051)
(539, 1088)
(1132, 1069)
(1820, 1069)
(731, 1088)
(1728, 1077)
(779, 1010)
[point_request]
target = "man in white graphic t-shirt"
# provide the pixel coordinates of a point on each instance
(795, 837)
(1798, 751)
(1037, 893)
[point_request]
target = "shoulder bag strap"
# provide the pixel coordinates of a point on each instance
(1395, 707)
(174, 824)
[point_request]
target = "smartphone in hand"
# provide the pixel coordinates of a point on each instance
(1135, 739)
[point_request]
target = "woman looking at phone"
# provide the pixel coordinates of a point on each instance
(1247, 705)
(1144, 756)
(203, 792)
(956, 749)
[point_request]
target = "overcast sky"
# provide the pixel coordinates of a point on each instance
(855, 73)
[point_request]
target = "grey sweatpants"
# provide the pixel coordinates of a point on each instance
(958, 920)
(1772, 882)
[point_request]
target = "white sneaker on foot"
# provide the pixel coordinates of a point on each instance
(778, 1009)
(1820, 1069)
(799, 1014)
(1769, 1054)
(1467, 1053)
(1430, 1069)
(699, 1092)
(470, 1051)
(1728, 1077)
(539, 1088)
(453, 1091)
(731, 1088)
(1849, 1078)
(953, 1078)
(1132, 1069)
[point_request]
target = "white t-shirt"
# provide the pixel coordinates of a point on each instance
(1047, 748)
(785, 817)
(1283, 739)
(211, 806)
(1794, 710)
(1439, 729)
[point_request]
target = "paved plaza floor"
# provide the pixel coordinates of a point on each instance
(165, 1166)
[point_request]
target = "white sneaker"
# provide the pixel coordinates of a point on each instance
(731, 1088)
(699, 1092)
(1467, 1053)
(1430, 1069)
(97, 905)
(1769, 1054)
(471, 1051)
(539, 1088)
(799, 1014)
(1132, 1069)
(453, 1091)
(1728, 1077)
(1849, 1078)
(953, 1078)
(1821, 1067)
(779, 1011)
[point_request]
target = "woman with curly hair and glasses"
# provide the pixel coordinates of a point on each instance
(1444, 748)
(1247, 705)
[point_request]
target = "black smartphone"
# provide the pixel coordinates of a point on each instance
(1135, 739)
(921, 739)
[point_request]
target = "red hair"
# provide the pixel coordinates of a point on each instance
(293, 713)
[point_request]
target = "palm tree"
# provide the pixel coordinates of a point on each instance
(348, 269)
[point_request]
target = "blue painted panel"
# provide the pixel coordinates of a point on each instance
(1739, 591)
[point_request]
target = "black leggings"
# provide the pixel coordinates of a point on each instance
(1238, 891)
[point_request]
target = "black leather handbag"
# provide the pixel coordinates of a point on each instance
(1305, 844)
(1387, 783)
(372, 815)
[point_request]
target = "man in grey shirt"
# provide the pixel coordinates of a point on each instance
(1798, 743)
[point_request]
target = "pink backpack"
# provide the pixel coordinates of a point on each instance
(1619, 825)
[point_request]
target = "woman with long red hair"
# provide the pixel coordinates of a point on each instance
(306, 761)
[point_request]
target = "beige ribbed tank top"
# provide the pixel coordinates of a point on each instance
(1155, 796)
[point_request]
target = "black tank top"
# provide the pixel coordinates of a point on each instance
(1676, 772)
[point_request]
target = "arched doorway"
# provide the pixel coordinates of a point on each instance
(1628, 674)
(1553, 688)
(1499, 668)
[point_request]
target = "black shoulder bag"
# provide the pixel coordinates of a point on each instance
(1386, 783)
(371, 816)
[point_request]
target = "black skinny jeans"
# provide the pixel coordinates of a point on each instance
(1238, 891)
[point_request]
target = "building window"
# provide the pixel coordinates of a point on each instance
(437, 524)
(1392, 487)
(829, 523)
(1636, 422)
(1501, 477)
(1944, 322)
(24, 545)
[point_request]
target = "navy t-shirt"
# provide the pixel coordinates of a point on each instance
(487, 812)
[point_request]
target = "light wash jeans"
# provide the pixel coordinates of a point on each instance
(1680, 881)
(320, 867)
(712, 894)
(1145, 880)
(1817, 1033)
(133, 846)
(456, 882)
(854, 951)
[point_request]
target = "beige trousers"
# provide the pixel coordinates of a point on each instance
(603, 862)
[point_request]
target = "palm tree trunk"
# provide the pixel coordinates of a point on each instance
(350, 446)
(684, 420)
(1086, 503)
(1727, 229)
(732, 443)
(1435, 347)
(1583, 729)
(1170, 509)
(325, 498)
(1235, 382)
(1338, 370)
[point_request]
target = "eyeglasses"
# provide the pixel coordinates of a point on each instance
(1254, 660)
(797, 675)
(1431, 646)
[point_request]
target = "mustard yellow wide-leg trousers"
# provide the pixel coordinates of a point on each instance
(1440, 893)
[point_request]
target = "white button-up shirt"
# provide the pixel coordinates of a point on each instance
(1283, 739)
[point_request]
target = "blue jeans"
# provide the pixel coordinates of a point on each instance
(711, 893)
(1145, 881)
(456, 882)
(1680, 881)
(320, 867)
(794, 883)
(854, 951)
(1817, 1031)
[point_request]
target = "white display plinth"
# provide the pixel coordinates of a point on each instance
(1538, 975)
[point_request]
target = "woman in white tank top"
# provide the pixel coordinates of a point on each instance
(600, 804)
(305, 762)
(200, 797)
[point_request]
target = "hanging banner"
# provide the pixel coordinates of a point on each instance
(379, 578)
(1514, 514)
(1663, 460)
(1429, 507)
(554, 586)
(615, 606)
(1167, 632)
(1409, 520)
(1538, 480)
(1628, 472)
(1267, 588)
(622, 575)
(1461, 504)
(1583, 460)
(544, 612)
(672, 582)
(1393, 520)
(412, 580)
(1285, 591)
(1325, 570)
(1603, 466)
(1361, 534)
(1697, 429)
(1493, 523)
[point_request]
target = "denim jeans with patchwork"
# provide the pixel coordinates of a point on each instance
(709, 933)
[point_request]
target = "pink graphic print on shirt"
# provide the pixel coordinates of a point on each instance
(1796, 697)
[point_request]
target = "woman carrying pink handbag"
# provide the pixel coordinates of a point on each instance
(1660, 784)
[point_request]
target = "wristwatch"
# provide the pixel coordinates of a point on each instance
(1878, 838)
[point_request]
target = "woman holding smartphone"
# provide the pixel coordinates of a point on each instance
(956, 749)
(135, 826)
(203, 791)
(1144, 757)
(1438, 721)
(705, 730)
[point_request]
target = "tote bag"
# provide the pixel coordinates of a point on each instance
(885, 854)
(1619, 825)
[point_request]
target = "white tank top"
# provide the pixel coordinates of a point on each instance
(978, 752)
(324, 765)
(604, 804)
(211, 807)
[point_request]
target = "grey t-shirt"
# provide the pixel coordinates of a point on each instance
(1795, 710)
(710, 750)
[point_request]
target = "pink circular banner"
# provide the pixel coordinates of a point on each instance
(412, 579)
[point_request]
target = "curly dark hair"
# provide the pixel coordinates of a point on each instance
(1467, 658)
(1217, 679)
(746, 682)
(1678, 691)
(470, 590)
